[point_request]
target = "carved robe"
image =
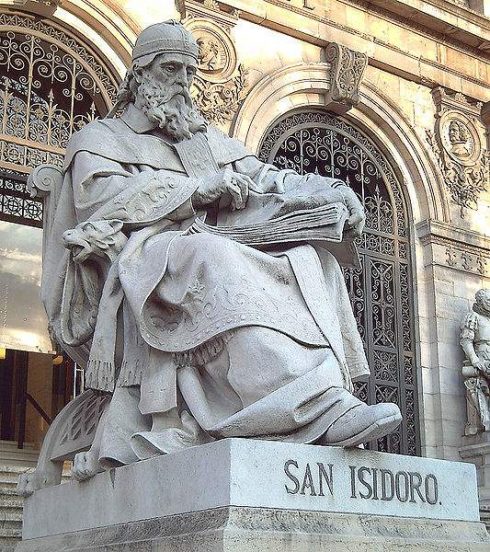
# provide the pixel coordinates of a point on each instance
(186, 299)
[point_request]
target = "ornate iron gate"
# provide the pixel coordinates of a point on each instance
(381, 291)
(50, 86)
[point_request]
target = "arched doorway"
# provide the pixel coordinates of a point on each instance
(381, 291)
(51, 84)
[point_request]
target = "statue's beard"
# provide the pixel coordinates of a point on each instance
(171, 109)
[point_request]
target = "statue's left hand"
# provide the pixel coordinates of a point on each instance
(357, 218)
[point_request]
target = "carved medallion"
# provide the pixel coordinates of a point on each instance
(217, 55)
(460, 138)
(458, 146)
(220, 83)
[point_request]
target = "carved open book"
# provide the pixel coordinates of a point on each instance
(319, 223)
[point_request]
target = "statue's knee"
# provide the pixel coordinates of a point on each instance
(212, 248)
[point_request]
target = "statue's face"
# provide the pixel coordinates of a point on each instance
(170, 70)
(454, 132)
(163, 94)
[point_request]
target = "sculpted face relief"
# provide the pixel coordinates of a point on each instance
(162, 93)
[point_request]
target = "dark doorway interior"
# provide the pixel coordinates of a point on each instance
(33, 389)
(13, 388)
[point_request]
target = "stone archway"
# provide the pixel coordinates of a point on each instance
(381, 291)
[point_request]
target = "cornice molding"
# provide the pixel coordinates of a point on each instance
(452, 23)
(433, 231)
(455, 248)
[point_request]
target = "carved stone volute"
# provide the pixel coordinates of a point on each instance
(346, 71)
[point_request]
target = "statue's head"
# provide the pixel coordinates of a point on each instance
(164, 62)
(482, 300)
(458, 134)
(169, 37)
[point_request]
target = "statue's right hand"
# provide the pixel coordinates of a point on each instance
(480, 366)
(226, 182)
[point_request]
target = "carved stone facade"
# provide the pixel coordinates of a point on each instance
(220, 85)
(459, 145)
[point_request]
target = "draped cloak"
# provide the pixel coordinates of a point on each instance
(166, 282)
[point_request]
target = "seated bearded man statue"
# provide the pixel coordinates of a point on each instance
(199, 334)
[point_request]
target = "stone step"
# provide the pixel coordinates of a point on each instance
(9, 468)
(8, 491)
(6, 456)
(11, 501)
(11, 514)
(22, 462)
(8, 544)
(10, 528)
(10, 533)
(11, 478)
(4, 445)
(12, 456)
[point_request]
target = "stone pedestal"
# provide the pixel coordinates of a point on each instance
(245, 495)
(476, 450)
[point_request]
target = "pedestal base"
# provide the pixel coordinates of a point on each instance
(236, 529)
(242, 495)
(476, 450)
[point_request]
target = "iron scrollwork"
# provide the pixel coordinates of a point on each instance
(380, 291)
(50, 86)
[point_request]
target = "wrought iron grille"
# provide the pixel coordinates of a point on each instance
(16, 205)
(381, 291)
(50, 86)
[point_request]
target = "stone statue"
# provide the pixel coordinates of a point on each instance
(180, 271)
(475, 341)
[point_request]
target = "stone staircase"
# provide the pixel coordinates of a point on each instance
(485, 516)
(13, 462)
(10, 507)
(10, 455)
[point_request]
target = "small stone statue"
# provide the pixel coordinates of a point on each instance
(475, 341)
(195, 283)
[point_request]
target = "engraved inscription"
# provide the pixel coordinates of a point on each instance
(315, 480)
(382, 484)
(366, 483)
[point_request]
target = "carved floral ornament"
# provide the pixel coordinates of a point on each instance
(457, 143)
(474, 260)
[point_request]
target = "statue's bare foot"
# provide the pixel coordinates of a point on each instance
(85, 465)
